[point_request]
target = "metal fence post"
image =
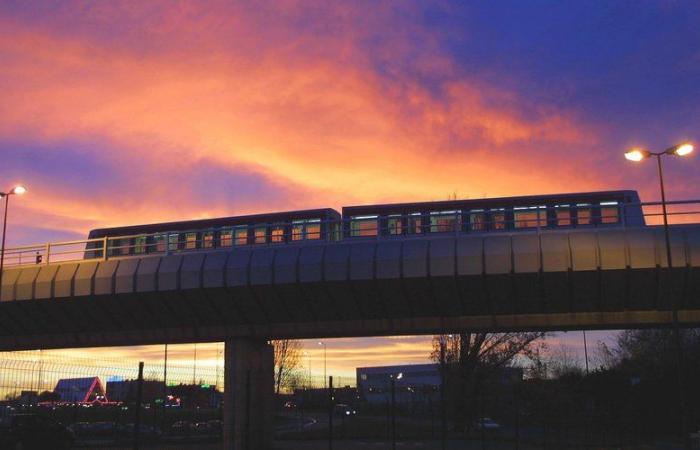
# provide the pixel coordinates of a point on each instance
(330, 412)
(139, 398)
(393, 413)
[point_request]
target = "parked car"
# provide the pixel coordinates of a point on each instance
(146, 433)
(216, 426)
(343, 410)
(31, 431)
(182, 427)
(486, 424)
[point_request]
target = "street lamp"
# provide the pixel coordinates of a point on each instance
(17, 190)
(393, 379)
(324, 363)
(638, 155)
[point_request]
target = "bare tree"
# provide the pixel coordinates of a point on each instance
(466, 359)
(287, 359)
(563, 361)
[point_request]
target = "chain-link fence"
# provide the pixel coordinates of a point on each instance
(97, 398)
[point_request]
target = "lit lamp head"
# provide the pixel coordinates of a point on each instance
(19, 190)
(681, 149)
(636, 154)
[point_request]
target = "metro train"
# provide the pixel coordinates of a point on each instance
(589, 209)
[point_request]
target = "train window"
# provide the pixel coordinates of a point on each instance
(159, 242)
(498, 219)
(530, 217)
(240, 236)
(173, 241)
(609, 212)
(260, 234)
(415, 223)
(208, 239)
(226, 238)
(583, 214)
(277, 233)
(306, 229)
(363, 226)
(124, 246)
(297, 230)
(563, 215)
(477, 220)
(190, 241)
(393, 224)
(140, 244)
(313, 229)
(444, 221)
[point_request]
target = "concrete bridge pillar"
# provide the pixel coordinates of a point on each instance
(248, 395)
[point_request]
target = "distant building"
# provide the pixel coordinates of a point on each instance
(418, 384)
(81, 390)
(127, 391)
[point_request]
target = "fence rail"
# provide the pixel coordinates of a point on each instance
(533, 219)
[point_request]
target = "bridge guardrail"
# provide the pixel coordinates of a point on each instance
(536, 219)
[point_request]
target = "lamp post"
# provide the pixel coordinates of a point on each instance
(325, 385)
(638, 155)
(17, 190)
(393, 379)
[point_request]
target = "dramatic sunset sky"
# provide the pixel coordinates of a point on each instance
(118, 112)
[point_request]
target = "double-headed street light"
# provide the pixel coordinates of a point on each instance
(17, 190)
(637, 155)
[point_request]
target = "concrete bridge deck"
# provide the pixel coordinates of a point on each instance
(553, 279)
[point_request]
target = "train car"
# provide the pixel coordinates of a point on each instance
(223, 232)
(588, 209)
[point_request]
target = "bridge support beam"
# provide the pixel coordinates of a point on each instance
(248, 395)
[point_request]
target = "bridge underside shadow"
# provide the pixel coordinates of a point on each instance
(595, 299)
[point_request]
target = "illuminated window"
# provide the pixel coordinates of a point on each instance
(583, 214)
(393, 224)
(226, 238)
(240, 236)
(477, 220)
(173, 241)
(298, 231)
(140, 244)
(363, 226)
(306, 229)
(190, 241)
(498, 219)
(531, 217)
(260, 234)
(609, 212)
(313, 229)
(277, 233)
(208, 239)
(563, 215)
(445, 221)
(415, 223)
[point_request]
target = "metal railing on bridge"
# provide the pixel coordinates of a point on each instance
(533, 219)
